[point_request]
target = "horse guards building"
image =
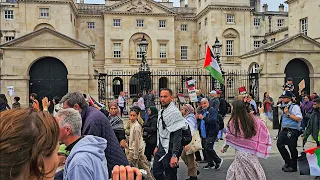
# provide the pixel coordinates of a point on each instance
(56, 46)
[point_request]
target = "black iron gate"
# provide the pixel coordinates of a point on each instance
(128, 81)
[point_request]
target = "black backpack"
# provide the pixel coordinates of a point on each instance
(221, 123)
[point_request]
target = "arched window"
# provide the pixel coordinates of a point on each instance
(163, 83)
(117, 86)
(230, 83)
(254, 68)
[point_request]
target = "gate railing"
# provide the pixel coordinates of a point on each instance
(110, 84)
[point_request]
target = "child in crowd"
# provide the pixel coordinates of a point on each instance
(136, 144)
(16, 103)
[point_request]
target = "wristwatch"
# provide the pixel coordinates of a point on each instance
(174, 155)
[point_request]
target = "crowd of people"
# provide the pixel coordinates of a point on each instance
(80, 140)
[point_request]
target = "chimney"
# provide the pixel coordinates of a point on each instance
(81, 1)
(281, 8)
(182, 3)
(258, 6)
(265, 7)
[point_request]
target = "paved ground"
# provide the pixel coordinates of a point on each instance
(272, 165)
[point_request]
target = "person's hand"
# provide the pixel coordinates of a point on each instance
(123, 143)
(155, 150)
(45, 103)
(223, 150)
(201, 116)
(126, 173)
(186, 148)
(174, 162)
(96, 106)
(286, 110)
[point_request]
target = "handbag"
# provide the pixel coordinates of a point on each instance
(195, 144)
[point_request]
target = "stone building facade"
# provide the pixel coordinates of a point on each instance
(89, 38)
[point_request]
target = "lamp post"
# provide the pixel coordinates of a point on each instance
(216, 53)
(144, 69)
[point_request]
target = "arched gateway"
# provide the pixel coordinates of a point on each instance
(48, 77)
(299, 71)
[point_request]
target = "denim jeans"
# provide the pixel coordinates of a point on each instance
(220, 134)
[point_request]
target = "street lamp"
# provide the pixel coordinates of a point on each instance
(143, 46)
(144, 70)
(217, 51)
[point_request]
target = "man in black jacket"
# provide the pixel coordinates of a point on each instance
(169, 148)
(210, 116)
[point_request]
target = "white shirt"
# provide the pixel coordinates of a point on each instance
(121, 101)
(296, 111)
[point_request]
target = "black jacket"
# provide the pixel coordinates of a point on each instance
(150, 130)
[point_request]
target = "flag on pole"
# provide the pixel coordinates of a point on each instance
(309, 162)
(301, 85)
(93, 101)
(211, 64)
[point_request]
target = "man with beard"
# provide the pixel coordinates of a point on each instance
(290, 131)
(169, 148)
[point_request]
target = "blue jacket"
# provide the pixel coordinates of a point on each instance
(211, 121)
(96, 123)
(87, 160)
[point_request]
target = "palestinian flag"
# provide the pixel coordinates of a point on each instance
(309, 162)
(212, 66)
(92, 101)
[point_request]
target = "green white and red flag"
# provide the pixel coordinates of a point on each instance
(211, 64)
(309, 162)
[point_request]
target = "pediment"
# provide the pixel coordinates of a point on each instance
(139, 6)
(298, 44)
(45, 38)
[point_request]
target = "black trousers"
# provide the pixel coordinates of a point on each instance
(148, 151)
(212, 156)
(121, 110)
(291, 141)
(162, 169)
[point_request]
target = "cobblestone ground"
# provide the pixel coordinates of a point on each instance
(272, 165)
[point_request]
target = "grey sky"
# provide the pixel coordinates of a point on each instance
(273, 4)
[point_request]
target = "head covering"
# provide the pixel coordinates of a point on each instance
(242, 90)
(213, 92)
(62, 150)
(286, 94)
(154, 110)
(113, 104)
(188, 108)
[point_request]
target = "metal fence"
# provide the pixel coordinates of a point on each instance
(110, 84)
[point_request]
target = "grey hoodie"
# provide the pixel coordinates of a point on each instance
(87, 160)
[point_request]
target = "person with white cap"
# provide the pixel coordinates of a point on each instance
(214, 101)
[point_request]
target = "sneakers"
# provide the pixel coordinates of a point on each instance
(218, 165)
(209, 167)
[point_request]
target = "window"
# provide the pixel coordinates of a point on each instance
(116, 50)
(162, 23)
(199, 3)
(256, 22)
(184, 52)
(205, 46)
(256, 44)
(71, 17)
(200, 55)
(205, 21)
(140, 23)
(139, 52)
(230, 18)
(116, 22)
(183, 27)
(229, 47)
(304, 26)
(280, 22)
(8, 14)
(44, 12)
(273, 40)
(74, 22)
(91, 25)
(9, 38)
(163, 51)
(199, 25)
(230, 83)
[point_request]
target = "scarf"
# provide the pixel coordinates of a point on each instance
(116, 123)
(306, 107)
(173, 120)
(259, 145)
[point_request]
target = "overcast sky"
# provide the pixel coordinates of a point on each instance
(273, 4)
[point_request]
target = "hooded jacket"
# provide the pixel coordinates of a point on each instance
(87, 160)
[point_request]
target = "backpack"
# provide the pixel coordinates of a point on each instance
(186, 136)
(221, 123)
(223, 107)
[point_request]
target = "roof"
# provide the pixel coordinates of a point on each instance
(276, 44)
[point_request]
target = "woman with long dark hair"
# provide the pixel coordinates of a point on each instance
(3, 103)
(251, 139)
(267, 105)
(306, 109)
